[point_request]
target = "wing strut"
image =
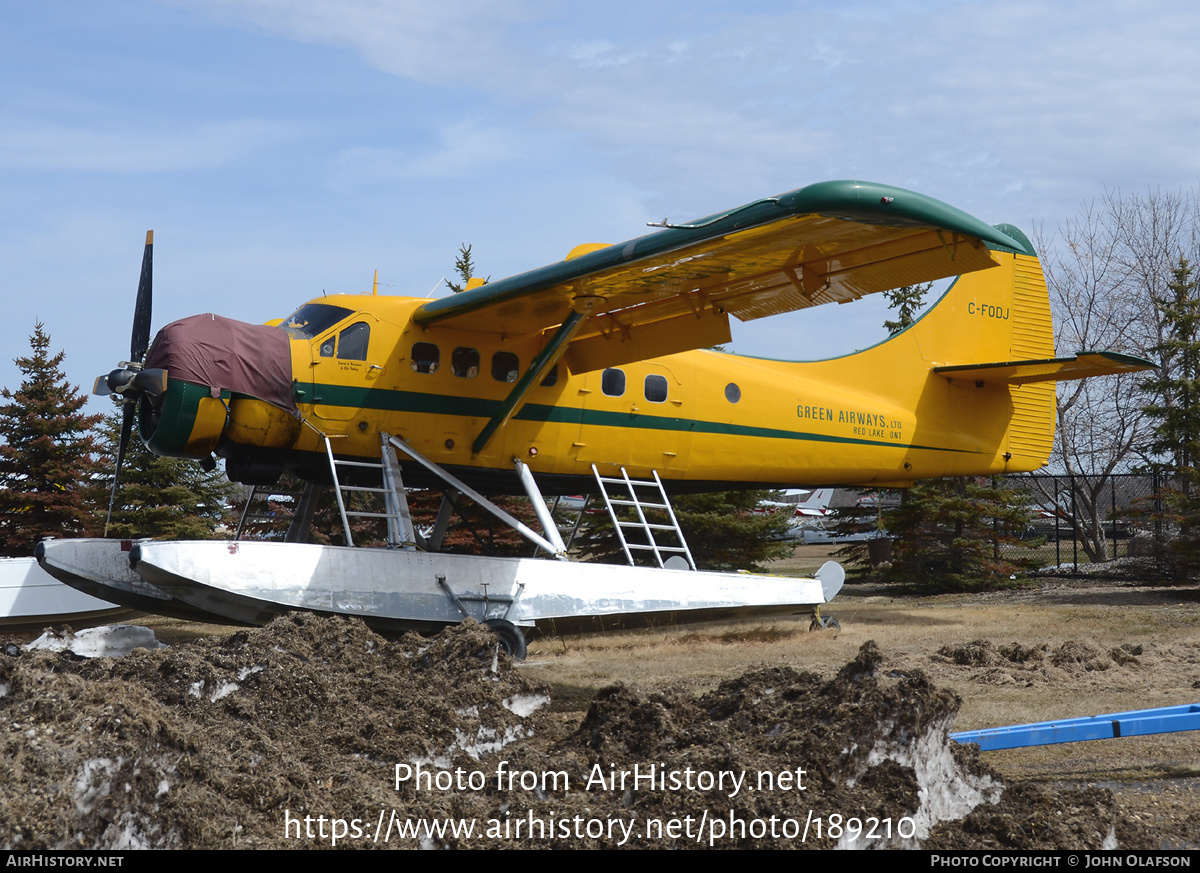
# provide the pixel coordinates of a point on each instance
(524, 530)
(545, 359)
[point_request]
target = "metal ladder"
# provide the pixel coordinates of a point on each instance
(264, 512)
(266, 508)
(657, 501)
(400, 532)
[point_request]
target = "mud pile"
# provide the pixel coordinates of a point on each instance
(316, 730)
(1013, 662)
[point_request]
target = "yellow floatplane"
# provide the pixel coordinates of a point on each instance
(597, 368)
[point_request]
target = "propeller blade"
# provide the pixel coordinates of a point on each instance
(152, 382)
(140, 339)
(128, 411)
(127, 416)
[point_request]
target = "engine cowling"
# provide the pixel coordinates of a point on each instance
(185, 422)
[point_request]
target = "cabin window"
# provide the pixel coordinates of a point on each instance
(656, 388)
(353, 342)
(505, 367)
(464, 362)
(551, 377)
(733, 393)
(425, 357)
(612, 382)
(327, 348)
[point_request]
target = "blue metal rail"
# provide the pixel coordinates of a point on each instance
(1137, 723)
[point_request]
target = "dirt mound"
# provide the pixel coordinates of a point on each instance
(1017, 663)
(316, 730)
(206, 745)
(867, 748)
(983, 653)
(1033, 817)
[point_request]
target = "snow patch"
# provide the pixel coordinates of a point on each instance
(109, 641)
(525, 705)
(223, 689)
(92, 783)
(944, 791)
(487, 740)
(1086, 569)
(132, 830)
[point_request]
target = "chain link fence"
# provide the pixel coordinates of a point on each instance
(1093, 524)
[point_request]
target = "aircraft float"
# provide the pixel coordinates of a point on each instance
(585, 374)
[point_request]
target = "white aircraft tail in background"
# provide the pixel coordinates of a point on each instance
(816, 505)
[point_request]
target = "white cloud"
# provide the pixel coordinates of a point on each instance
(796, 92)
(435, 43)
(38, 146)
(597, 54)
(464, 149)
(528, 126)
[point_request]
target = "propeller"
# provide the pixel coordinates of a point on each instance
(129, 380)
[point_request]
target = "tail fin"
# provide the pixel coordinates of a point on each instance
(992, 333)
(1006, 315)
(817, 502)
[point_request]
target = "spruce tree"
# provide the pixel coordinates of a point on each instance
(464, 268)
(725, 532)
(907, 301)
(162, 498)
(47, 463)
(1175, 412)
(949, 533)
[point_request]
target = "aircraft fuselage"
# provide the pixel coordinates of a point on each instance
(702, 419)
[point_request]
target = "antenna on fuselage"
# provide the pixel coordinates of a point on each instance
(375, 290)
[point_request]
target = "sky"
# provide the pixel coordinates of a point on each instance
(280, 149)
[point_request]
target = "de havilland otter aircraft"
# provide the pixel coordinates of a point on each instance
(594, 368)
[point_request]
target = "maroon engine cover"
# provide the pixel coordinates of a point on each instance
(227, 355)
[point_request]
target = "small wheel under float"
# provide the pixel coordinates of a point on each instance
(511, 639)
(827, 622)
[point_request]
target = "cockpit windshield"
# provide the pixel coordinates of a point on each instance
(312, 318)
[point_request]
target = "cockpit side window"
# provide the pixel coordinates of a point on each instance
(312, 318)
(425, 357)
(353, 342)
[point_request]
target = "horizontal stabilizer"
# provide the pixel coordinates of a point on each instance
(1081, 366)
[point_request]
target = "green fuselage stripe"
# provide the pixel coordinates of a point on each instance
(388, 400)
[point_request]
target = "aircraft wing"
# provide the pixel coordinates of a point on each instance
(674, 290)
